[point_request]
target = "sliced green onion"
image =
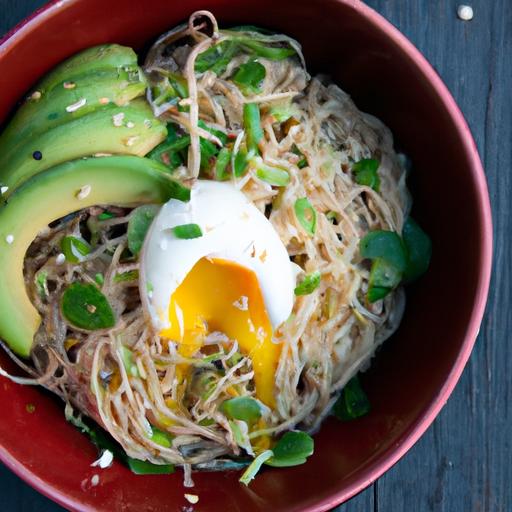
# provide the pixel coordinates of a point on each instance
(143, 467)
(129, 362)
(306, 215)
(272, 175)
(85, 307)
(138, 225)
(249, 77)
(74, 249)
(309, 284)
(241, 163)
(292, 450)
(162, 438)
(242, 408)
(255, 466)
(386, 245)
(419, 250)
(187, 231)
(223, 159)
(167, 152)
(216, 58)
(131, 275)
(366, 173)
(353, 402)
(105, 216)
(252, 125)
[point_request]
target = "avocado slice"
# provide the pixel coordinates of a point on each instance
(87, 61)
(48, 196)
(89, 92)
(97, 133)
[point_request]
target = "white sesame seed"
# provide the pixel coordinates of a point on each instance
(60, 259)
(105, 460)
(75, 106)
(9, 239)
(117, 119)
(465, 12)
(69, 85)
(95, 480)
(36, 95)
(129, 124)
(99, 155)
(83, 192)
(192, 498)
(3, 190)
(130, 141)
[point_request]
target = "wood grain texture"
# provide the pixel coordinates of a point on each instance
(462, 463)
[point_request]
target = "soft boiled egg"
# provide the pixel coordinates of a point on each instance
(235, 278)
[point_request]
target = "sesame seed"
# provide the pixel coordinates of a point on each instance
(3, 190)
(130, 141)
(117, 119)
(129, 124)
(192, 498)
(91, 308)
(60, 259)
(69, 85)
(104, 101)
(75, 106)
(36, 95)
(83, 192)
(9, 239)
(465, 12)
(95, 480)
(37, 155)
(99, 155)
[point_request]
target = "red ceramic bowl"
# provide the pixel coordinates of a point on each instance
(415, 372)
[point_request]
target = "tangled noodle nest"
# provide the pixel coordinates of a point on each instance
(332, 332)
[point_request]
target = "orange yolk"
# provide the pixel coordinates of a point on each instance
(219, 295)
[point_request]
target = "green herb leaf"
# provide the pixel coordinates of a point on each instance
(264, 50)
(167, 152)
(309, 284)
(252, 125)
(223, 159)
(352, 402)
(216, 58)
(419, 250)
(85, 307)
(255, 466)
(249, 77)
(366, 173)
(241, 163)
(386, 245)
(138, 225)
(383, 278)
(74, 249)
(143, 467)
(292, 450)
(105, 216)
(306, 215)
(242, 408)
(187, 231)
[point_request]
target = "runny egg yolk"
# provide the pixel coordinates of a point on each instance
(222, 296)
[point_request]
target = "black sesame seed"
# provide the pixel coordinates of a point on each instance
(37, 155)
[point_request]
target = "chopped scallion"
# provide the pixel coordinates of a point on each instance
(306, 215)
(187, 231)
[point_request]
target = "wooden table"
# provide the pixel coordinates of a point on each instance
(464, 461)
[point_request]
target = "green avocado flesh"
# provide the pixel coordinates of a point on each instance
(58, 106)
(88, 61)
(55, 193)
(94, 134)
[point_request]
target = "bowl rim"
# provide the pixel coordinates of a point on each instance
(393, 454)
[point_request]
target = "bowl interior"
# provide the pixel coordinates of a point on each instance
(412, 371)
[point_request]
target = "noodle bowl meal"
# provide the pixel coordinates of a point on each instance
(200, 254)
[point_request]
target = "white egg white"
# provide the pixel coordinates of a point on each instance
(234, 230)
